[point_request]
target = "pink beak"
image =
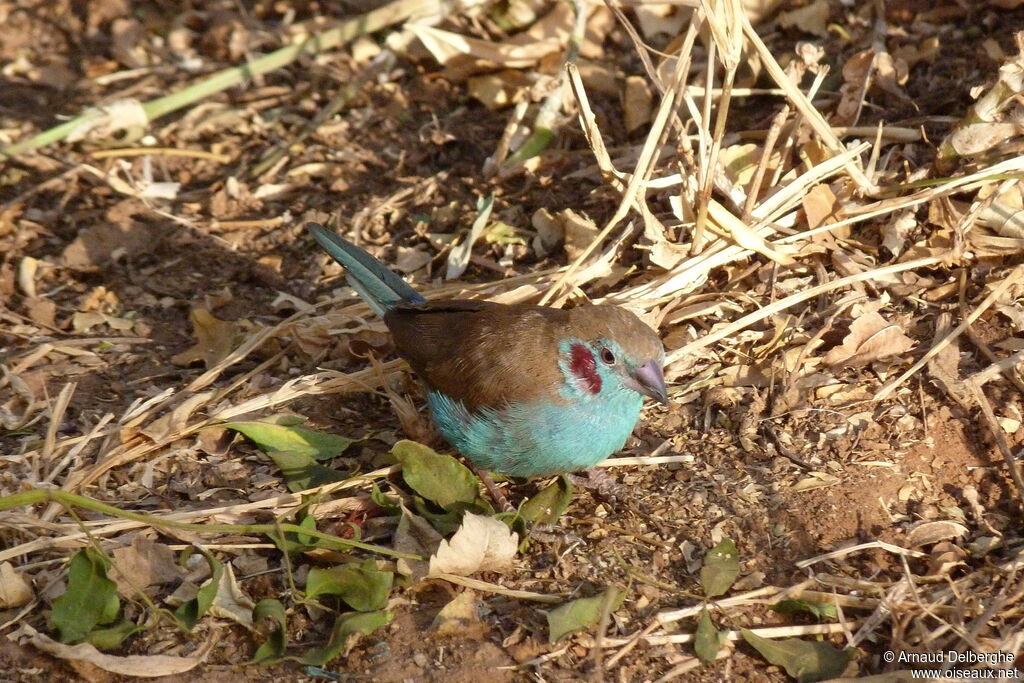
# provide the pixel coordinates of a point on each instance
(649, 380)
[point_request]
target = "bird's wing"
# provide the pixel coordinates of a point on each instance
(482, 353)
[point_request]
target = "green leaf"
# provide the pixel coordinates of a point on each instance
(436, 477)
(273, 647)
(112, 636)
(502, 233)
(707, 641)
(191, 611)
(721, 567)
(803, 660)
(345, 626)
(534, 145)
(301, 471)
(293, 543)
(90, 599)
(270, 436)
(821, 610)
(389, 503)
(548, 505)
(364, 587)
(579, 614)
(444, 522)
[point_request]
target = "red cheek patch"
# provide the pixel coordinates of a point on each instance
(584, 367)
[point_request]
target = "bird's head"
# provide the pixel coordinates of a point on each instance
(612, 349)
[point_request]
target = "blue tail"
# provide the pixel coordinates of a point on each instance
(378, 286)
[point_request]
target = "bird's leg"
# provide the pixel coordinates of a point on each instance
(599, 481)
(493, 489)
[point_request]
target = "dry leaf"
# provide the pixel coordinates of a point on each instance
(143, 666)
(637, 103)
(481, 544)
(812, 18)
(415, 536)
(896, 231)
(15, 591)
(820, 206)
(107, 240)
(580, 231)
(216, 340)
(411, 259)
(460, 617)
(945, 557)
(42, 311)
(231, 601)
(85, 321)
(871, 338)
(927, 533)
(143, 564)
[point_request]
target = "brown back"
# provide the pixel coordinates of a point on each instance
(490, 354)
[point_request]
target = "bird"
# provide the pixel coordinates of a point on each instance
(519, 390)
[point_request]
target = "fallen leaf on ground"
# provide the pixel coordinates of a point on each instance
(871, 338)
(480, 544)
(577, 615)
(143, 666)
(142, 564)
(15, 591)
(215, 340)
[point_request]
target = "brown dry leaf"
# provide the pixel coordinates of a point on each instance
(637, 103)
(174, 422)
(415, 536)
(976, 138)
(576, 230)
(42, 311)
(945, 366)
(740, 162)
(661, 19)
(945, 557)
(84, 321)
(871, 338)
(599, 77)
(1004, 215)
(896, 231)
(856, 72)
(547, 36)
(890, 74)
(216, 339)
(231, 602)
(498, 90)
(143, 666)
(15, 591)
(411, 259)
(110, 239)
(550, 232)
(927, 533)
(460, 617)
(820, 206)
(481, 544)
(812, 18)
(143, 564)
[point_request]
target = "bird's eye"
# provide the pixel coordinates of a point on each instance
(607, 357)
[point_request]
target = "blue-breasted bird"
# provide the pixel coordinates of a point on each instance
(519, 390)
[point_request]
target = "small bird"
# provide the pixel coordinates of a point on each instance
(519, 390)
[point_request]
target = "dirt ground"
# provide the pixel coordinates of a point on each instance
(116, 279)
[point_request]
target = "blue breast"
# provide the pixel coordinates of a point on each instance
(529, 440)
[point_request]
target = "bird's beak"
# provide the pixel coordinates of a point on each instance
(649, 380)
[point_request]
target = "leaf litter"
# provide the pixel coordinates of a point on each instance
(876, 437)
